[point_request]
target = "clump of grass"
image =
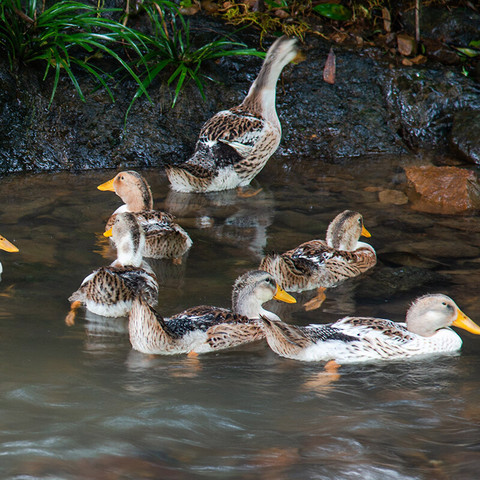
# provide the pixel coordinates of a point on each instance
(170, 49)
(49, 35)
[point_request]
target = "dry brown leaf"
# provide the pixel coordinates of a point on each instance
(387, 20)
(329, 69)
(419, 59)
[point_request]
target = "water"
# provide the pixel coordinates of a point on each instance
(77, 402)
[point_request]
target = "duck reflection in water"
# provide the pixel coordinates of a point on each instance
(226, 217)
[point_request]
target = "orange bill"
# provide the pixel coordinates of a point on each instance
(7, 246)
(365, 232)
(107, 186)
(108, 233)
(462, 321)
(283, 296)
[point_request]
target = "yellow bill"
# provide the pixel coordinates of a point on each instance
(7, 246)
(107, 186)
(365, 232)
(299, 58)
(283, 296)
(108, 233)
(462, 321)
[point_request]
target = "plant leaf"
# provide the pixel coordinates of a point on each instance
(333, 11)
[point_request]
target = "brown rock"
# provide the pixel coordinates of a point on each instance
(445, 190)
(406, 44)
(394, 197)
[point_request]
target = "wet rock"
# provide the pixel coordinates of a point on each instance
(446, 249)
(369, 110)
(466, 134)
(445, 190)
(394, 197)
(423, 102)
(441, 52)
(458, 26)
(386, 282)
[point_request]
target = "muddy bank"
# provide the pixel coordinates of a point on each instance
(376, 106)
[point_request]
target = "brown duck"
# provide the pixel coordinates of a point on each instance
(163, 237)
(204, 328)
(324, 263)
(109, 291)
(235, 144)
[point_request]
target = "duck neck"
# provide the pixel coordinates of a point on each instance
(147, 328)
(130, 251)
(249, 306)
(138, 199)
(261, 98)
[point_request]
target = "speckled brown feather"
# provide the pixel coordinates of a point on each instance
(110, 285)
(235, 144)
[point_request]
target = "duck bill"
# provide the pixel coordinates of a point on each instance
(108, 233)
(7, 246)
(107, 186)
(299, 58)
(283, 296)
(462, 321)
(365, 232)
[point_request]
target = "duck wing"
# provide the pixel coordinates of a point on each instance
(224, 328)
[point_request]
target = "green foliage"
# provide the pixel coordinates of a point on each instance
(55, 37)
(333, 11)
(170, 48)
(70, 36)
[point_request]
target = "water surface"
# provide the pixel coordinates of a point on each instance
(79, 403)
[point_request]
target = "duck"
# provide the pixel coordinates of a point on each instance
(234, 145)
(359, 339)
(204, 328)
(8, 247)
(109, 291)
(324, 263)
(163, 237)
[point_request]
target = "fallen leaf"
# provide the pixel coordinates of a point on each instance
(418, 60)
(387, 20)
(329, 69)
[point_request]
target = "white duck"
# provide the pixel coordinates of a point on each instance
(357, 339)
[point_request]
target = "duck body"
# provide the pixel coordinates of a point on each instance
(199, 329)
(235, 144)
(163, 237)
(359, 339)
(205, 328)
(324, 263)
(109, 291)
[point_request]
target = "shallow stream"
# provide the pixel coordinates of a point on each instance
(77, 402)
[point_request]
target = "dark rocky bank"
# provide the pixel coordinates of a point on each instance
(376, 106)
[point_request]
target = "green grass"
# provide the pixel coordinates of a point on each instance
(70, 37)
(170, 49)
(65, 35)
